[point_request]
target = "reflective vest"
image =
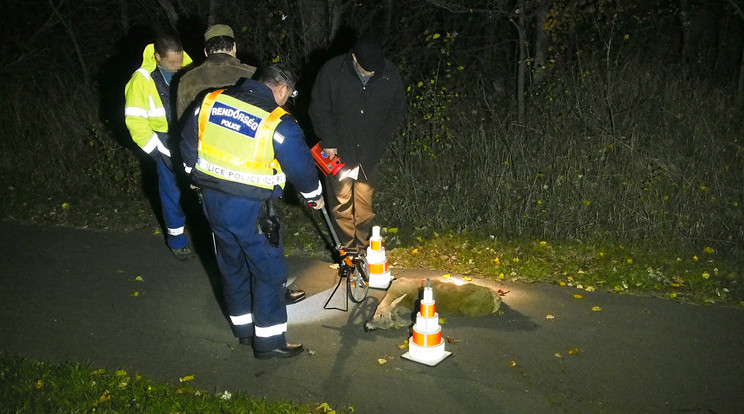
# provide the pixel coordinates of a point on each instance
(144, 111)
(236, 142)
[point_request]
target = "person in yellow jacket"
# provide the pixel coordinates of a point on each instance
(148, 117)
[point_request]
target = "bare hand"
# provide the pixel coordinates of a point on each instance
(317, 204)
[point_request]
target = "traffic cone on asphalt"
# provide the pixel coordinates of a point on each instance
(379, 274)
(426, 344)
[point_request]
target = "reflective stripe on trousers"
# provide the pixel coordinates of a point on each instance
(254, 274)
(170, 200)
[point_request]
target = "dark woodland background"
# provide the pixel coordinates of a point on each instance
(570, 119)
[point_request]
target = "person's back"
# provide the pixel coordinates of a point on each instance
(240, 146)
(221, 69)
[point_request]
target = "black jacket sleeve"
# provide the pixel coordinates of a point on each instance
(321, 106)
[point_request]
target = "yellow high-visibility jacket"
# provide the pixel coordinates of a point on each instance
(144, 112)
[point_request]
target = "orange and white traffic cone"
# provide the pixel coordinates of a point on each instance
(426, 344)
(379, 273)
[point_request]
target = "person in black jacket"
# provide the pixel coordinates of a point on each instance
(357, 106)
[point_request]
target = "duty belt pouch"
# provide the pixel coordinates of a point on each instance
(268, 223)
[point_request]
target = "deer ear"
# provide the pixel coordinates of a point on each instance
(398, 299)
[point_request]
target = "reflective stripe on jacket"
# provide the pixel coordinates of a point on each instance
(143, 111)
(236, 142)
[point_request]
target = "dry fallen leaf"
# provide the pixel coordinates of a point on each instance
(446, 276)
(574, 351)
(502, 292)
(549, 316)
(105, 396)
(139, 278)
(382, 361)
(513, 363)
(135, 293)
(404, 345)
(186, 378)
(467, 278)
(596, 308)
(442, 321)
(578, 296)
(558, 355)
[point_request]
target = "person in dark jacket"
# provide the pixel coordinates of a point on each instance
(221, 69)
(357, 106)
(240, 147)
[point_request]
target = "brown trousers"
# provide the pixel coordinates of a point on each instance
(350, 202)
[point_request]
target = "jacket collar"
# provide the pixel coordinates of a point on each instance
(222, 57)
(350, 66)
(250, 85)
(148, 58)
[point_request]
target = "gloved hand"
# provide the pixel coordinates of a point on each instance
(317, 203)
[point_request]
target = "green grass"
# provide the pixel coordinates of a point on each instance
(695, 275)
(698, 277)
(29, 386)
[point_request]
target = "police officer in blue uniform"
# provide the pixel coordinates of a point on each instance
(240, 146)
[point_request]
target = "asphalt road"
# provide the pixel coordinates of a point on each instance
(120, 300)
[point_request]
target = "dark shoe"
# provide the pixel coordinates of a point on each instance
(287, 351)
(294, 296)
(246, 340)
(184, 253)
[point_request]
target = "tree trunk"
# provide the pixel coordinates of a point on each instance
(336, 17)
(685, 26)
(740, 86)
(541, 42)
(521, 66)
(212, 12)
(124, 9)
(388, 17)
(315, 23)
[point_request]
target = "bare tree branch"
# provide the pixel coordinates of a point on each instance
(68, 28)
(737, 9)
(170, 12)
(457, 8)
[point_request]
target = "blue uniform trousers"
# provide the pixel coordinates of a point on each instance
(254, 274)
(170, 199)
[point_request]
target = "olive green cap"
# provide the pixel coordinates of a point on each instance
(218, 30)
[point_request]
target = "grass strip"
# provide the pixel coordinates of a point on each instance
(30, 386)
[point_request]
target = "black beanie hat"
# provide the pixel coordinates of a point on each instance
(368, 52)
